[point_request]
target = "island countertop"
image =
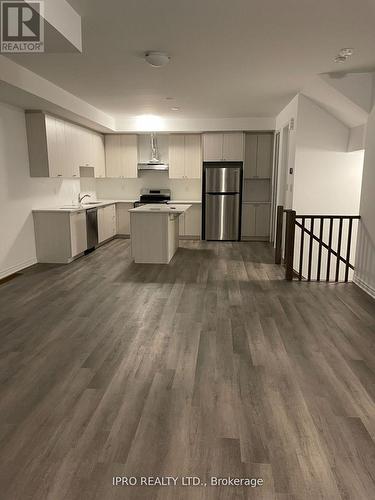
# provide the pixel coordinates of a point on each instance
(153, 208)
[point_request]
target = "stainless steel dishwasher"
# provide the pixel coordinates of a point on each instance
(92, 228)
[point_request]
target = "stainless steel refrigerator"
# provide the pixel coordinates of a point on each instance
(222, 201)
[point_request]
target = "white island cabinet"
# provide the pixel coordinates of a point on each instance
(154, 232)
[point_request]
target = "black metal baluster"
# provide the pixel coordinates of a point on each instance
(338, 251)
(329, 248)
(301, 249)
(310, 248)
(320, 248)
(348, 248)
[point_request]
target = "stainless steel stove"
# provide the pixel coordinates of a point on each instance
(153, 196)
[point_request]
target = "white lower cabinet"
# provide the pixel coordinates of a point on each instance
(123, 218)
(106, 223)
(78, 233)
(190, 222)
(60, 236)
(255, 221)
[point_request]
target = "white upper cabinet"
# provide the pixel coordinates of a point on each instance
(121, 155)
(98, 155)
(233, 146)
(185, 156)
(258, 156)
(177, 156)
(58, 148)
(227, 146)
(193, 156)
(212, 147)
(129, 156)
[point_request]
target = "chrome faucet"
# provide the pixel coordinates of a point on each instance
(83, 197)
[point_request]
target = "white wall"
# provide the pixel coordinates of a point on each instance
(19, 193)
(365, 263)
(327, 179)
(287, 151)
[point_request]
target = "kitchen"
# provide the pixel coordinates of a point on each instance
(187, 254)
(60, 149)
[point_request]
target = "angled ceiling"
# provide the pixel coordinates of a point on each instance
(236, 58)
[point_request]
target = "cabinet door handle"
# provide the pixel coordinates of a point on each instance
(59, 175)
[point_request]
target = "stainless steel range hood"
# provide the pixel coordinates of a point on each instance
(155, 162)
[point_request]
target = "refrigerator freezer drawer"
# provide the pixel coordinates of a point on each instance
(222, 216)
(223, 179)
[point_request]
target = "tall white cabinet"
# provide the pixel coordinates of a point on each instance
(121, 155)
(185, 156)
(257, 186)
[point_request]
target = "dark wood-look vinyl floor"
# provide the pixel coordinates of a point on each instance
(210, 366)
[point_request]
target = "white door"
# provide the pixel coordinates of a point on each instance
(78, 235)
(233, 146)
(193, 221)
(55, 167)
(73, 148)
(113, 155)
(181, 225)
(106, 223)
(123, 218)
(193, 156)
(264, 155)
(248, 228)
(176, 156)
(129, 156)
(250, 165)
(213, 147)
(102, 230)
(262, 223)
(98, 159)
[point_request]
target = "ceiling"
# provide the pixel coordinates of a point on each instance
(230, 58)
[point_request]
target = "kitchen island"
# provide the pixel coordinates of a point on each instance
(154, 232)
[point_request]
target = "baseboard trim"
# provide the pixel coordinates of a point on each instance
(17, 267)
(364, 286)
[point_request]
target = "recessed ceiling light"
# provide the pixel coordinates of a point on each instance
(175, 108)
(169, 98)
(157, 59)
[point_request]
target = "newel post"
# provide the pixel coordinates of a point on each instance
(279, 234)
(289, 243)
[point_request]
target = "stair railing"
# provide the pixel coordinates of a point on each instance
(305, 252)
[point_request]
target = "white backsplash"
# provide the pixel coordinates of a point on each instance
(130, 188)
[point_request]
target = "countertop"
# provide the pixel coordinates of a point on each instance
(66, 208)
(158, 208)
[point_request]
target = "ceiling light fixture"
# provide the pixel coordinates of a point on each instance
(175, 108)
(346, 52)
(157, 59)
(343, 55)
